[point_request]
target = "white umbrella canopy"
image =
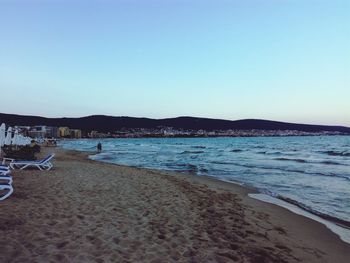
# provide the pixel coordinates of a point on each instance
(2, 134)
(22, 140)
(8, 136)
(14, 140)
(26, 140)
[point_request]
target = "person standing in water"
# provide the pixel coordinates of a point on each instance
(99, 147)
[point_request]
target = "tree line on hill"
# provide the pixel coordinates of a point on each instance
(110, 124)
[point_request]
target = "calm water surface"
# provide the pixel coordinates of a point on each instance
(314, 171)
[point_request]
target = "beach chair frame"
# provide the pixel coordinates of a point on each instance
(4, 169)
(43, 165)
(6, 187)
(7, 178)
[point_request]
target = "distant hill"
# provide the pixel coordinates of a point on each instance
(111, 124)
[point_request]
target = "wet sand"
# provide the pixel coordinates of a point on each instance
(86, 211)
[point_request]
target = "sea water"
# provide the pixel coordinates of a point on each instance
(312, 171)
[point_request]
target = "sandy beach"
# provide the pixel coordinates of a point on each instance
(86, 211)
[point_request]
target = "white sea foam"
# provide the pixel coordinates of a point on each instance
(343, 233)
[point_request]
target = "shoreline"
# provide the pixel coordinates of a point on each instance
(90, 211)
(339, 230)
(338, 226)
(335, 225)
(298, 196)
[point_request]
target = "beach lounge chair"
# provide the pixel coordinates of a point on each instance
(5, 179)
(44, 164)
(8, 191)
(5, 174)
(4, 170)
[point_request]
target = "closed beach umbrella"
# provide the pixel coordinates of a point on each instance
(20, 140)
(23, 140)
(2, 134)
(8, 136)
(14, 140)
(27, 140)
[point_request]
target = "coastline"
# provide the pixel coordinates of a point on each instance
(294, 173)
(89, 211)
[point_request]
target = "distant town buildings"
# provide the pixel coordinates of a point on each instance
(96, 134)
(75, 134)
(38, 131)
(63, 132)
(41, 131)
(51, 132)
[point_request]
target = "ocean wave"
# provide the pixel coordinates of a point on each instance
(336, 153)
(270, 153)
(282, 169)
(198, 147)
(185, 167)
(290, 159)
(106, 157)
(192, 152)
(336, 220)
(313, 162)
(259, 147)
(236, 150)
(332, 163)
(221, 162)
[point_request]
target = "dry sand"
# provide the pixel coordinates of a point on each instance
(86, 211)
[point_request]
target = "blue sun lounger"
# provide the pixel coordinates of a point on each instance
(5, 178)
(4, 169)
(8, 191)
(6, 188)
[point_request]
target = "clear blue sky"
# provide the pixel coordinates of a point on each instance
(285, 60)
